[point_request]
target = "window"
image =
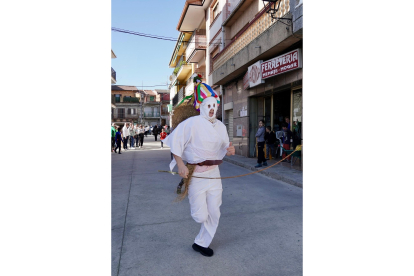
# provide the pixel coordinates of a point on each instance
(215, 10)
(151, 98)
(121, 113)
(117, 98)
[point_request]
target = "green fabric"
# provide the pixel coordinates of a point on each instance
(113, 132)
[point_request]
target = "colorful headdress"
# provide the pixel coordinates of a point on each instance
(201, 92)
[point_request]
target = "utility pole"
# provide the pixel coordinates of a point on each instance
(142, 98)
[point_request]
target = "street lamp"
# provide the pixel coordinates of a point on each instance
(273, 8)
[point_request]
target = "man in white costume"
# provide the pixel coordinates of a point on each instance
(202, 141)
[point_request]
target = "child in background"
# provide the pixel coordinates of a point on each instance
(163, 135)
(270, 139)
(286, 141)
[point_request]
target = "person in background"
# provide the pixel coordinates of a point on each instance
(260, 145)
(287, 120)
(286, 141)
(131, 136)
(155, 132)
(125, 134)
(270, 139)
(147, 129)
(113, 133)
(141, 132)
(163, 135)
(136, 137)
(118, 139)
(168, 130)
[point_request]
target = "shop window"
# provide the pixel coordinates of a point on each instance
(297, 112)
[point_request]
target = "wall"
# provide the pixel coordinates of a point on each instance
(245, 18)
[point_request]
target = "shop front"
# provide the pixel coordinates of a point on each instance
(270, 91)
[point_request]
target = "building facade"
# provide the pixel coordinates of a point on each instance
(113, 81)
(127, 104)
(259, 69)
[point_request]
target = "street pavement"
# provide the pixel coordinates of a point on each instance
(259, 233)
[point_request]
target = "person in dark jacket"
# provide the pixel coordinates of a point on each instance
(286, 141)
(118, 139)
(270, 139)
(155, 132)
(260, 145)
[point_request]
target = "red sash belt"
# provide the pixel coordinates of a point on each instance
(208, 163)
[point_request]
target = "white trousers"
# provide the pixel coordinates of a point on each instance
(205, 200)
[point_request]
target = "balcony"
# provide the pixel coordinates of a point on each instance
(181, 70)
(151, 114)
(113, 75)
(257, 26)
(178, 97)
(196, 45)
(123, 116)
(130, 100)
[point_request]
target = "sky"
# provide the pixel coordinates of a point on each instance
(142, 60)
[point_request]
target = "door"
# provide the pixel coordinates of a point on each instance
(230, 131)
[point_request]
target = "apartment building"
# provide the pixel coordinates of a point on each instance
(259, 68)
(113, 80)
(127, 104)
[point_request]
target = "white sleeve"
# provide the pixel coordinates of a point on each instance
(225, 138)
(178, 140)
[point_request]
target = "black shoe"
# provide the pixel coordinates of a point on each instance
(265, 163)
(119, 152)
(208, 252)
(115, 151)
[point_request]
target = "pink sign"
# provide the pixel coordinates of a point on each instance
(281, 64)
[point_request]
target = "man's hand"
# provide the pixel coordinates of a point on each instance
(183, 171)
(231, 150)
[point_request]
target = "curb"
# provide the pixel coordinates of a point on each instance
(276, 176)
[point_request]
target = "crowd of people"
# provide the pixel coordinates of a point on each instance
(133, 136)
(265, 135)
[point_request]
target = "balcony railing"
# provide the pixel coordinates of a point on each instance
(257, 26)
(113, 73)
(130, 100)
(197, 41)
(125, 116)
(180, 62)
(181, 94)
(175, 100)
(151, 114)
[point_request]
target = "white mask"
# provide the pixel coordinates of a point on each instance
(208, 104)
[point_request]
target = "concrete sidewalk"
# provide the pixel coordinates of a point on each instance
(282, 171)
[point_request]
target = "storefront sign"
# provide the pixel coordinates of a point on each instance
(246, 80)
(281, 64)
(255, 76)
(243, 112)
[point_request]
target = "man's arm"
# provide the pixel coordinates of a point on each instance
(259, 132)
(182, 168)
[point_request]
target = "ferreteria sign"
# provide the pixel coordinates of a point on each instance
(282, 64)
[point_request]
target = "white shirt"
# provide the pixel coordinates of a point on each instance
(196, 140)
(125, 131)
